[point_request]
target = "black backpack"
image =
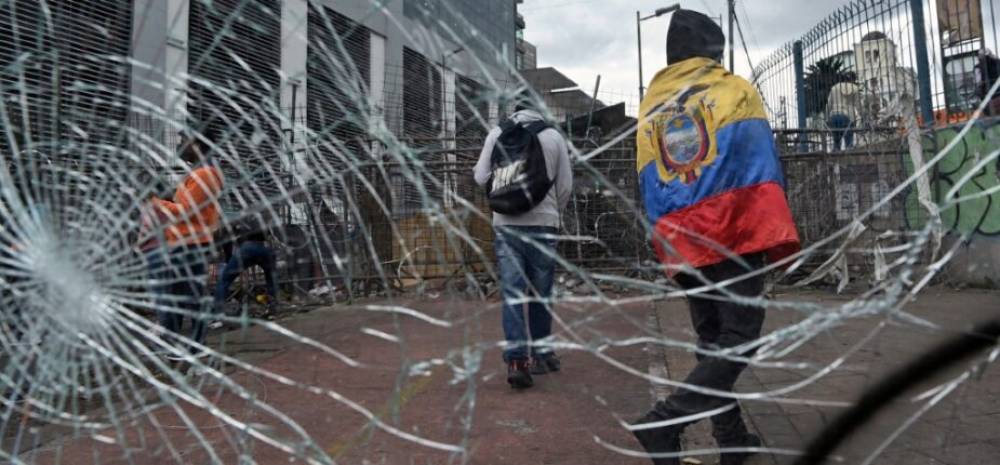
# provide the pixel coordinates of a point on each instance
(519, 179)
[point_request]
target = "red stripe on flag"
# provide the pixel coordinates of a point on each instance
(740, 221)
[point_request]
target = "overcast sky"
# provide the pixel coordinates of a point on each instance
(584, 38)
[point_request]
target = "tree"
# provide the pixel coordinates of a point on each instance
(820, 78)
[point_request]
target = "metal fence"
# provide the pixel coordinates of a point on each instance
(872, 57)
(829, 191)
(389, 228)
(391, 217)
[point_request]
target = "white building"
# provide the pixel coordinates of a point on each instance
(877, 66)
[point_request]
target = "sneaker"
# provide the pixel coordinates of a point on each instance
(547, 363)
(738, 458)
(215, 324)
(665, 439)
(519, 375)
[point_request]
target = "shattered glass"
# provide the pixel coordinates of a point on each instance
(349, 135)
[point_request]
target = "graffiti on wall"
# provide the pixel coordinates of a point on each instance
(980, 215)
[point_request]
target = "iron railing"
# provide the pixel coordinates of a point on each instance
(877, 45)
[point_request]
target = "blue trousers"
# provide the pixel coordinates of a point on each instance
(248, 254)
(842, 127)
(179, 277)
(525, 256)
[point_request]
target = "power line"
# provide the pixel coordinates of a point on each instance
(750, 28)
(746, 51)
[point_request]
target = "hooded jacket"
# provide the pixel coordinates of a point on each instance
(711, 181)
(557, 164)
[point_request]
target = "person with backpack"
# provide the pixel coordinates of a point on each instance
(526, 170)
(713, 190)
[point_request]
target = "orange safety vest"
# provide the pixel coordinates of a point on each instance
(194, 211)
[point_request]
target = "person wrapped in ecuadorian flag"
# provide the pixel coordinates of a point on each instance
(709, 170)
(713, 189)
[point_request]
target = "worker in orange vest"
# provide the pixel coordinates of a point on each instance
(192, 216)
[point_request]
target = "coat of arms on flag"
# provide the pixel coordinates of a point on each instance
(684, 142)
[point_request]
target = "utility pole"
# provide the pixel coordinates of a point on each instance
(638, 28)
(732, 42)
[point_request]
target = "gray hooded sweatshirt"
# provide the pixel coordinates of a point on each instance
(557, 164)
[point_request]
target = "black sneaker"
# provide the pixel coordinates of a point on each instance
(665, 439)
(547, 363)
(738, 458)
(519, 375)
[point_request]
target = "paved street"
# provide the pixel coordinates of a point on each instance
(561, 419)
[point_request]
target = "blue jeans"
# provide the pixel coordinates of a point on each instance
(527, 266)
(179, 277)
(842, 127)
(249, 254)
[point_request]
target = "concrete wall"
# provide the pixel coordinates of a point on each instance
(159, 57)
(974, 221)
(828, 191)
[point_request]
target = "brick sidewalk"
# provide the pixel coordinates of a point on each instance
(557, 421)
(963, 429)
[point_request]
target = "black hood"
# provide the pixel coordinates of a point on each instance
(692, 34)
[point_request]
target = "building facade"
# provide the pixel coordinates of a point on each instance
(879, 73)
(527, 55)
(403, 64)
(563, 96)
(291, 85)
(158, 65)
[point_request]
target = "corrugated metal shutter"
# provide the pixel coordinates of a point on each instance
(472, 111)
(235, 45)
(73, 67)
(422, 101)
(421, 97)
(65, 85)
(339, 70)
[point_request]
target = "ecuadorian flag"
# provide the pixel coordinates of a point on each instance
(711, 180)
